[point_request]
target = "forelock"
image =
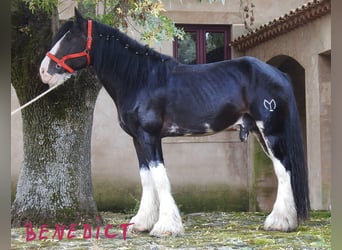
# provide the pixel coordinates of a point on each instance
(65, 28)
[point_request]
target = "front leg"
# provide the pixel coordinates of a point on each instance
(169, 222)
(148, 212)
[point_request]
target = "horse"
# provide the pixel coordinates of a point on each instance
(156, 97)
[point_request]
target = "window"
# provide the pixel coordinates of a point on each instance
(203, 44)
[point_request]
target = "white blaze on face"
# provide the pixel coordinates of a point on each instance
(56, 78)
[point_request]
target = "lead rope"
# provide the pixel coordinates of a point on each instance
(35, 99)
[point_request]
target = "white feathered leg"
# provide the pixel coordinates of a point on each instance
(169, 222)
(284, 214)
(148, 212)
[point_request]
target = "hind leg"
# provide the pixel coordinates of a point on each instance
(284, 214)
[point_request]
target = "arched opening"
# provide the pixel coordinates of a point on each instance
(264, 177)
(297, 74)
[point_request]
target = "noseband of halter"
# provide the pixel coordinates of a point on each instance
(61, 62)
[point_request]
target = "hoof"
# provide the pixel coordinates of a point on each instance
(137, 229)
(140, 225)
(281, 223)
(167, 229)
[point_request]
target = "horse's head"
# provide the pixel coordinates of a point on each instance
(69, 53)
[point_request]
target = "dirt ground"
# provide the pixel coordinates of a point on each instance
(215, 230)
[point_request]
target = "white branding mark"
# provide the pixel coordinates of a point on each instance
(270, 105)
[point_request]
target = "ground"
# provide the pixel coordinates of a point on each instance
(217, 230)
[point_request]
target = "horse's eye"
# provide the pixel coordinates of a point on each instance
(58, 66)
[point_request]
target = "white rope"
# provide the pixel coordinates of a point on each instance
(35, 99)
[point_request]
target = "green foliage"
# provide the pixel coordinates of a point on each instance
(47, 5)
(145, 16)
(187, 49)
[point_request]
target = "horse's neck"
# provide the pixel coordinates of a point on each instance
(124, 69)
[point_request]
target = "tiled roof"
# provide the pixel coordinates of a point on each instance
(292, 20)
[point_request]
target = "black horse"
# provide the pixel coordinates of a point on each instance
(156, 97)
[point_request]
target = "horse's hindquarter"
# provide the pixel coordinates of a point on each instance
(202, 99)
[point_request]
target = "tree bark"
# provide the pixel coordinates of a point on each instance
(54, 184)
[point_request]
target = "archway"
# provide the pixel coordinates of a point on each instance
(297, 74)
(265, 182)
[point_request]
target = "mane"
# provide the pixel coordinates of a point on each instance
(62, 31)
(121, 59)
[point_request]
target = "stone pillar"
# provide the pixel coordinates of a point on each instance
(312, 93)
(325, 121)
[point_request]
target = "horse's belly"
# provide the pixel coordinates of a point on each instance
(178, 129)
(201, 113)
(198, 124)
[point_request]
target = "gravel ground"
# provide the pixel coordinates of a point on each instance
(215, 230)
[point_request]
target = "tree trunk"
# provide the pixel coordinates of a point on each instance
(54, 184)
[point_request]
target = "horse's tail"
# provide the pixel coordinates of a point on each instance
(295, 160)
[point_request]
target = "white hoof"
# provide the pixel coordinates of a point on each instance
(142, 223)
(284, 223)
(167, 228)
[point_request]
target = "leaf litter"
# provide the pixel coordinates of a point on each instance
(214, 231)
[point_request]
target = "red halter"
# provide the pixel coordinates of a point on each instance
(61, 62)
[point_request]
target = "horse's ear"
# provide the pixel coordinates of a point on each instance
(79, 20)
(78, 16)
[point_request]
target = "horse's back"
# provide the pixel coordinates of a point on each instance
(230, 79)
